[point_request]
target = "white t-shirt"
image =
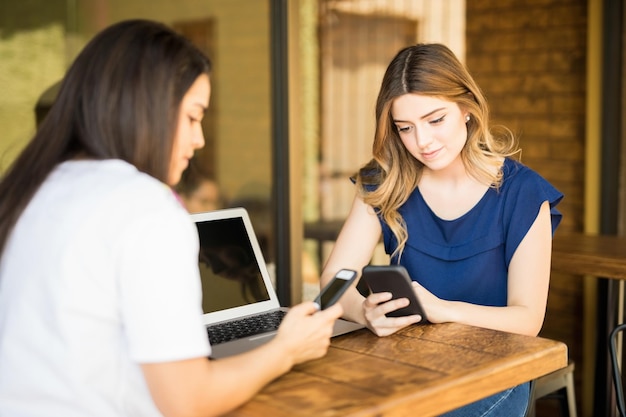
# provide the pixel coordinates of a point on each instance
(99, 275)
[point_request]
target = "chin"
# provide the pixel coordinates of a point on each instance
(172, 180)
(436, 165)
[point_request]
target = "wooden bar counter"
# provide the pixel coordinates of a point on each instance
(600, 256)
(423, 370)
(604, 257)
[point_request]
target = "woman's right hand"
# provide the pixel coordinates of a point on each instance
(375, 308)
(305, 331)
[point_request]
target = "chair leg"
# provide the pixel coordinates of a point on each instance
(571, 396)
(560, 386)
(530, 411)
(561, 394)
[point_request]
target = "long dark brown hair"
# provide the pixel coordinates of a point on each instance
(119, 100)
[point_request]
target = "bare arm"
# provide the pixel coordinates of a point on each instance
(354, 249)
(528, 281)
(199, 387)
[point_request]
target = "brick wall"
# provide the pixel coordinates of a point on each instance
(529, 58)
(530, 61)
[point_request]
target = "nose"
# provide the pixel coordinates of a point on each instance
(422, 138)
(198, 139)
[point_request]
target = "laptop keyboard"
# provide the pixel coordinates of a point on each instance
(245, 327)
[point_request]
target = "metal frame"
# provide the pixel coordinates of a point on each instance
(280, 147)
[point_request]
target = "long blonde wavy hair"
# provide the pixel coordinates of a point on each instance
(431, 70)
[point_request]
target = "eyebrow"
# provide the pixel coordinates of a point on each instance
(424, 116)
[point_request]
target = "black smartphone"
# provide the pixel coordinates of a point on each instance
(332, 292)
(396, 280)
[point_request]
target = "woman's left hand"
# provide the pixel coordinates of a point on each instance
(433, 306)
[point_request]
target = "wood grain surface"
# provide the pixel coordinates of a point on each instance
(423, 370)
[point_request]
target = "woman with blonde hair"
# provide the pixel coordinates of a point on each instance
(472, 225)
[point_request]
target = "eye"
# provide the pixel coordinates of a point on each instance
(404, 129)
(437, 121)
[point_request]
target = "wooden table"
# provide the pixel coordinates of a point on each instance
(600, 256)
(603, 257)
(420, 371)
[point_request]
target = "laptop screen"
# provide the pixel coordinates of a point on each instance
(229, 269)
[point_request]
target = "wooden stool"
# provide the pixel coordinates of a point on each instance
(558, 385)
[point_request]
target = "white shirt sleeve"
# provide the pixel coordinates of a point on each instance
(160, 289)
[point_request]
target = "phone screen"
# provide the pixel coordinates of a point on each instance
(335, 288)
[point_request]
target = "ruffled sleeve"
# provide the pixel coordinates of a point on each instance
(525, 192)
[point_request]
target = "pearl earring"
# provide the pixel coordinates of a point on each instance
(467, 118)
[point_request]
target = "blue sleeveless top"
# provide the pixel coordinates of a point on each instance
(467, 259)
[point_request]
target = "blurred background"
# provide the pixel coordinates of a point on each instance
(293, 92)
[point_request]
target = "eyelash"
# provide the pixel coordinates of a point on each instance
(432, 122)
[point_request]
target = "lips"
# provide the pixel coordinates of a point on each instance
(430, 155)
(184, 162)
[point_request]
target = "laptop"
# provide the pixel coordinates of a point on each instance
(236, 285)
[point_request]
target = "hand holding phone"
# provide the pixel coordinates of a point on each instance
(333, 291)
(394, 279)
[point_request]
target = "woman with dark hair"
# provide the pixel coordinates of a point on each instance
(100, 299)
(472, 226)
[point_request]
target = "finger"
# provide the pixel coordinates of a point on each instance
(417, 287)
(388, 325)
(305, 308)
(333, 312)
(407, 320)
(393, 305)
(377, 298)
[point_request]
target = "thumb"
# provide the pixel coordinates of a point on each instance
(334, 312)
(307, 307)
